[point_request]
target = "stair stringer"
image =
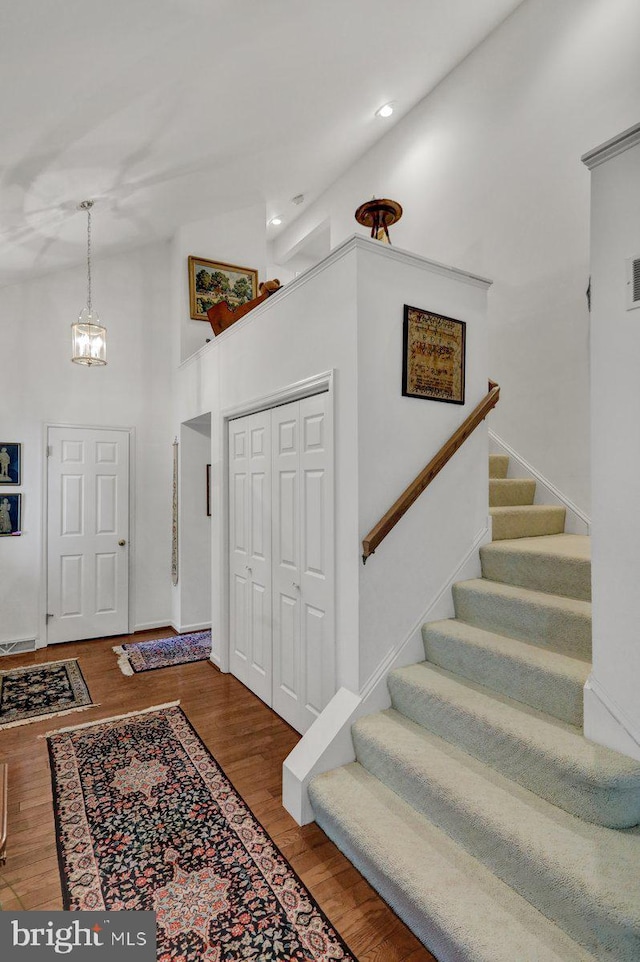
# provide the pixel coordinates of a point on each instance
(328, 743)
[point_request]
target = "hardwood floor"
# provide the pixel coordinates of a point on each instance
(248, 740)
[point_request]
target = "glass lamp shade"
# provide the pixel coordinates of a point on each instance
(89, 339)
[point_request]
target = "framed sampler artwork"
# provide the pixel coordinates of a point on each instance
(211, 282)
(433, 360)
(10, 462)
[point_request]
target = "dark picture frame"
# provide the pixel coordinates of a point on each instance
(10, 515)
(10, 462)
(211, 282)
(208, 491)
(433, 356)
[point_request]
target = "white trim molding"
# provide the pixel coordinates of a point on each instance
(611, 148)
(606, 723)
(546, 492)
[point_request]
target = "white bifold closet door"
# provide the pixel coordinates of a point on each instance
(281, 552)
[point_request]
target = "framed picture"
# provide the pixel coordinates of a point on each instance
(433, 356)
(10, 514)
(212, 281)
(10, 461)
(208, 491)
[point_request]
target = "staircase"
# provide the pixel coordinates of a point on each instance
(475, 806)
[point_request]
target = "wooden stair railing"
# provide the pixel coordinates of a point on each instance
(426, 476)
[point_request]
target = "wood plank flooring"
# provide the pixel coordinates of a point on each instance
(248, 740)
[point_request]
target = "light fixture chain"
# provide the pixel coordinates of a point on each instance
(89, 259)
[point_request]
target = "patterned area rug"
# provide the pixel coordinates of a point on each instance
(42, 691)
(146, 819)
(164, 652)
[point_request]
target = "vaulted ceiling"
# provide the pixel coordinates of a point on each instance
(165, 110)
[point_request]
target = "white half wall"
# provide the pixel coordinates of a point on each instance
(40, 385)
(488, 171)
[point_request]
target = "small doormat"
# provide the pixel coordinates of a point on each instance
(146, 819)
(164, 652)
(42, 691)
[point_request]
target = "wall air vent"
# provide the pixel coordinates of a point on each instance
(633, 282)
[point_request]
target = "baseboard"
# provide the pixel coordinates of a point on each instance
(327, 744)
(187, 629)
(152, 625)
(606, 723)
(546, 492)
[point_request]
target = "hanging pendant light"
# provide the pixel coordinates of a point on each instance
(88, 336)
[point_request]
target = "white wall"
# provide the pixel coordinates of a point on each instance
(612, 706)
(195, 527)
(40, 384)
(235, 237)
(346, 316)
(488, 171)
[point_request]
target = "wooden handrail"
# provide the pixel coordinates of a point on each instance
(426, 476)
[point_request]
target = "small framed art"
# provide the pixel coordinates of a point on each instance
(212, 281)
(10, 462)
(10, 514)
(433, 356)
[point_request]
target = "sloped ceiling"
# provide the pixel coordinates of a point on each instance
(164, 110)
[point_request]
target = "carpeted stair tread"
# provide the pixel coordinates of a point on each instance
(498, 465)
(543, 679)
(455, 906)
(527, 521)
(582, 876)
(547, 756)
(511, 491)
(559, 564)
(552, 621)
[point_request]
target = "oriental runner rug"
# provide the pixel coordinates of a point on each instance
(164, 652)
(146, 819)
(42, 691)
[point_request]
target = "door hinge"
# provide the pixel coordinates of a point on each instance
(49, 450)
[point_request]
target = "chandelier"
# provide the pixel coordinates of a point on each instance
(88, 336)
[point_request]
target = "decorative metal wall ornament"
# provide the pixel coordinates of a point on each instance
(174, 517)
(379, 214)
(433, 358)
(88, 335)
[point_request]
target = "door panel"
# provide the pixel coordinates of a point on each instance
(250, 551)
(87, 517)
(282, 638)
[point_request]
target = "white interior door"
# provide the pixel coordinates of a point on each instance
(303, 636)
(281, 551)
(250, 551)
(87, 534)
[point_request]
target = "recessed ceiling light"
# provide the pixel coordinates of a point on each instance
(275, 221)
(385, 111)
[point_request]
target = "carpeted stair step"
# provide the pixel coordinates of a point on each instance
(559, 564)
(527, 521)
(511, 491)
(498, 465)
(550, 621)
(453, 903)
(583, 877)
(547, 756)
(543, 679)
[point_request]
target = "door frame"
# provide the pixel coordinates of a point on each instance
(318, 384)
(42, 640)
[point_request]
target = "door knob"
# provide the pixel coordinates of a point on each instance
(294, 584)
(122, 542)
